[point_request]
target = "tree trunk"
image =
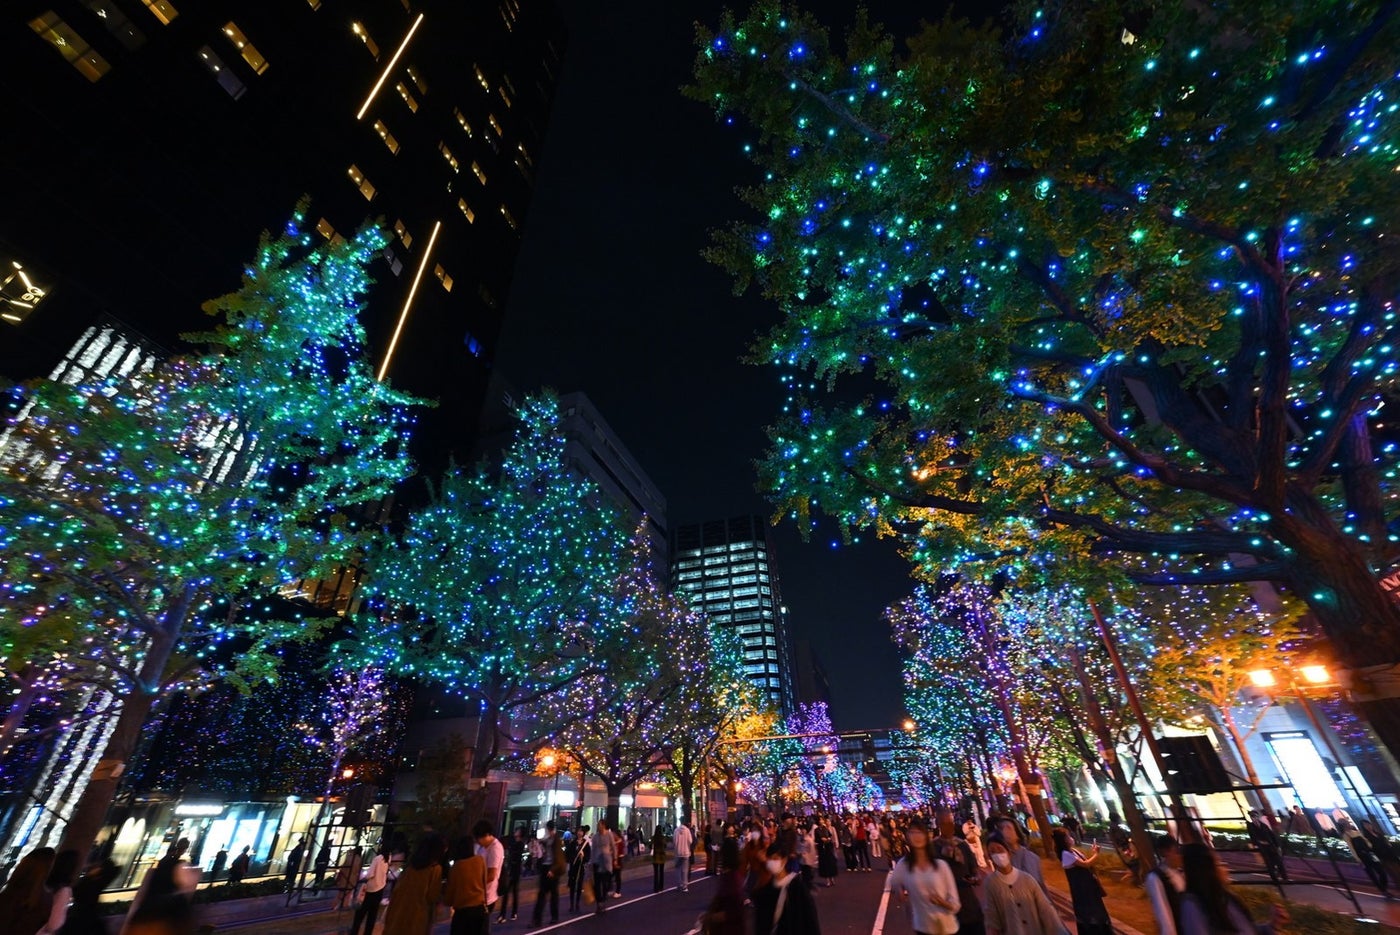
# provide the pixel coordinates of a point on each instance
(731, 794)
(28, 678)
(1227, 718)
(1137, 824)
(90, 813)
(614, 809)
(685, 778)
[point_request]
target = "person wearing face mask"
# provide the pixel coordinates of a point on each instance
(1016, 905)
(928, 883)
(752, 859)
(783, 905)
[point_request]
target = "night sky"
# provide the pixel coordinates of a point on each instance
(612, 297)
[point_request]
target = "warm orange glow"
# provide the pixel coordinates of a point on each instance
(408, 303)
(388, 69)
(1262, 678)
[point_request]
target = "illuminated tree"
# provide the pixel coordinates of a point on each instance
(147, 510)
(635, 709)
(742, 758)
(1216, 640)
(1110, 288)
(502, 589)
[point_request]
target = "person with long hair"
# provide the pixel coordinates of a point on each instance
(418, 892)
(25, 901)
(60, 888)
(465, 893)
(1208, 907)
(658, 859)
(85, 916)
(927, 882)
(1085, 890)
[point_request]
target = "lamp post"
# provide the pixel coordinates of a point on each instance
(548, 761)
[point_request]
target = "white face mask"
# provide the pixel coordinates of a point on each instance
(775, 866)
(1001, 860)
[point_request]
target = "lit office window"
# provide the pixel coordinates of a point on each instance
(495, 124)
(478, 172)
(451, 159)
(417, 79)
(161, 10)
(358, 29)
(250, 53)
(116, 23)
(510, 23)
(402, 230)
(358, 177)
(70, 45)
(504, 96)
(510, 219)
(324, 228)
(386, 136)
(408, 98)
(226, 78)
(314, 4)
(462, 119)
(481, 78)
(443, 277)
(467, 211)
(524, 154)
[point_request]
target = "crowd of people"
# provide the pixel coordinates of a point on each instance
(949, 875)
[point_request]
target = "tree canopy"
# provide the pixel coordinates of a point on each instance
(1105, 291)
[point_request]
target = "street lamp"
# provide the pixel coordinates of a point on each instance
(548, 761)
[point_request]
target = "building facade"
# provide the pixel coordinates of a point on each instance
(161, 137)
(728, 569)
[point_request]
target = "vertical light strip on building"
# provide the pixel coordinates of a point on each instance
(388, 69)
(408, 302)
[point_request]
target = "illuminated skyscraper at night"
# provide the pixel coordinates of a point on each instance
(152, 140)
(728, 569)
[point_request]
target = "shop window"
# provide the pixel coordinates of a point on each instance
(249, 52)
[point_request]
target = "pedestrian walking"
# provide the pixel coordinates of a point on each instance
(848, 850)
(418, 891)
(511, 870)
(826, 852)
(956, 853)
(1085, 891)
(1016, 902)
(465, 893)
(860, 843)
(603, 848)
(239, 868)
(550, 869)
(1022, 857)
(321, 866)
(619, 859)
(376, 883)
(1165, 884)
(59, 887)
(494, 853)
(579, 859)
(1366, 856)
(783, 905)
(927, 884)
(1208, 906)
(293, 867)
(1384, 851)
(806, 855)
(714, 838)
(973, 836)
(164, 896)
(220, 861)
(658, 860)
(725, 914)
(1263, 836)
(684, 843)
(84, 915)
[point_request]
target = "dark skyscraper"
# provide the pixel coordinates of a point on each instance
(151, 142)
(728, 569)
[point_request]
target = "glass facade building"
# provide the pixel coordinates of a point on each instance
(728, 570)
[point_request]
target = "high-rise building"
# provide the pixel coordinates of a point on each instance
(728, 569)
(154, 139)
(813, 685)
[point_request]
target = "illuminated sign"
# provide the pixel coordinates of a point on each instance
(198, 810)
(21, 289)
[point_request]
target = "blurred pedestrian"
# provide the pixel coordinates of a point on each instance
(1165, 884)
(826, 851)
(322, 866)
(684, 843)
(579, 859)
(1263, 836)
(418, 892)
(26, 901)
(550, 869)
(725, 914)
(295, 858)
(1208, 906)
(220, 861)
(239, 868)
(603, 849)
(508, 891)
(60, 887)
(84, 915)
(347, 878)
(783, 905)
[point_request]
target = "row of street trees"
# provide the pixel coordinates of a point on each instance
(145, 519)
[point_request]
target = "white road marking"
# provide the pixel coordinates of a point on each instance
(884, 904)
(613, 906)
